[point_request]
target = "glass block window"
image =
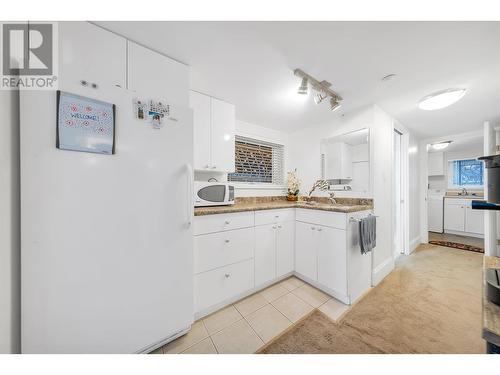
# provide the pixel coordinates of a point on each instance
(467, 172)
(257, 162)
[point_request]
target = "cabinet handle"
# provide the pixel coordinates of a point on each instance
(84, 83)
(279, 227)
(207, 166)
(227, 222)
(277, 216)
(227, 275)
(319, 229)
(226, 241)
(274, 226)
(312, 228)
(214, 166)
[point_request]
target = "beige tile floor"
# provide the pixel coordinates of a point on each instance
(246, 325)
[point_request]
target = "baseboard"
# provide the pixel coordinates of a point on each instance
(414, 244)
(382, 270)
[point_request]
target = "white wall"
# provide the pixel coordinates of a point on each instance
(305, 156)
(469, 152)
(9, 223)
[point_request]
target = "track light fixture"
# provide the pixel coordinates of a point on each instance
(303, 86)
(323, 90)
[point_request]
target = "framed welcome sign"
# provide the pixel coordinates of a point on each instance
(85, 124)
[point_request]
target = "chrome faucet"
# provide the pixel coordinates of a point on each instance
(332, 199)
(464, 191)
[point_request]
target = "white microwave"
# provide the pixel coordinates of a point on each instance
(213, 193)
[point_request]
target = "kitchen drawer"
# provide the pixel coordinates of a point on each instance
(456, 201)
(216, 286)
(328, 219)
(222, 248)
(274, 216)
(222, 222)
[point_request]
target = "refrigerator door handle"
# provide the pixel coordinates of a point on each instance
(190, 203)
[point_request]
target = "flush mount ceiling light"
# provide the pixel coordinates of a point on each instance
(441, 99)
(303, 87)
(440, 145)
(323, 90)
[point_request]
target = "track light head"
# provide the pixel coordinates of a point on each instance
(303, 86)
(319, 97)
(334, 104)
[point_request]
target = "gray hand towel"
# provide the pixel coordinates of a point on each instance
(367, 234)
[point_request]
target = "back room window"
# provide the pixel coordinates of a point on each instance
(467, 173)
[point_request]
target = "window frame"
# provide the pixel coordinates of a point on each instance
(260, 185)
(450, 171)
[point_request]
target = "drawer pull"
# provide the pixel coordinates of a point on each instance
(227, 275)
(319, 229)
(226, 241)
(312, 228)
(277, 216)
(227, 222)
(279, 227)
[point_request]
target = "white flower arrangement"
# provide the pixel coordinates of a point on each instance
(293, 183)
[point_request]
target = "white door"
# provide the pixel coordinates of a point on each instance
(201, 106)
(454, 216)
(285, 248)
(306, 250)
(107, 253)
(474, 220)
(91, 54)
(156, 76)
(332, 259)
(223, 125)
(265, 253)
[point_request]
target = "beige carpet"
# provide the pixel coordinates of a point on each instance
(431, 303)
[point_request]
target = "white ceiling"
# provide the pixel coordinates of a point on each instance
(251, 65)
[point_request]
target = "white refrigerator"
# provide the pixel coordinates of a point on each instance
(107, 244)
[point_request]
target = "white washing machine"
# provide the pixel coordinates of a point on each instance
(435, 210)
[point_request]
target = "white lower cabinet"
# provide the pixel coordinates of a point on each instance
(285, 245)
(460, 217)
(221, 284)
(332, 258)
(306, 250)
(265, 253)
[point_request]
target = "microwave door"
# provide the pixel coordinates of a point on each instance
(213, 194)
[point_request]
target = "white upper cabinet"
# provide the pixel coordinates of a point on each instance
(157, 76)
(223, 126)
(90, 55)
(214, 128)
(435, 164)
(201, 105)
(338, 161)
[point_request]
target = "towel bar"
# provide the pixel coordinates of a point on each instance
(353, 219)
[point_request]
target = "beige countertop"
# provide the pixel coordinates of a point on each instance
(345, 205)
(491, 312)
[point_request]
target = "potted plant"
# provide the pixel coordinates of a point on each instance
(293, 186)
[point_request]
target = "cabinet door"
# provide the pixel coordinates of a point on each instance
(332, 259)
(200, 104)
(346, 162)
(435, 164)
(223, 125)
(157, 76)
(285, 248)
(265, 253)
(454, 217)
(474, 221)
(306, 250)
(89, 53)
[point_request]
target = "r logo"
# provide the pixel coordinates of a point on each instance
(27, 49)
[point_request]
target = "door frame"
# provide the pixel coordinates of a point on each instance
(424, 179)
(405, 163)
